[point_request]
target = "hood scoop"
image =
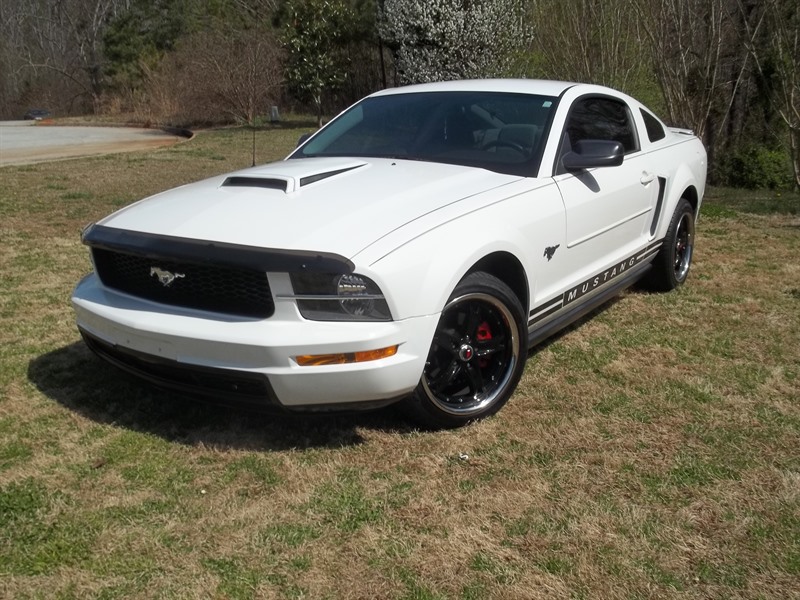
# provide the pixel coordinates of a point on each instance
(286, 184)
(269, 183)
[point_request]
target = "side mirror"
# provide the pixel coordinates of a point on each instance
(303, 139)
(588, 154)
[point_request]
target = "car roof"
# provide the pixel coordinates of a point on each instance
(520, 86)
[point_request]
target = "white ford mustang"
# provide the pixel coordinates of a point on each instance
(414, 248)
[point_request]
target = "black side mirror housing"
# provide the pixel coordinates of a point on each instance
(302, 139)
(588, 154)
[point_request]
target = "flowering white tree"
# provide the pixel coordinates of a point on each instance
(436, 40)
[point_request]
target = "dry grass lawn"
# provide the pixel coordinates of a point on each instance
(652, 451)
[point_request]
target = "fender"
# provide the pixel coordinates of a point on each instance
(427, 265)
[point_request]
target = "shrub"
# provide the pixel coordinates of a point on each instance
(754, 166)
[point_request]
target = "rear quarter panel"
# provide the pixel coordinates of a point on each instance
(683, 163)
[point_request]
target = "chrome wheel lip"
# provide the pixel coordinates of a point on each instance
(481, 402)
(684, 246)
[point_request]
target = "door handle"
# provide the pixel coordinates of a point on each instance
(647, 177)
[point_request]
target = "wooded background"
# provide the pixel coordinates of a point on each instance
(729, 69)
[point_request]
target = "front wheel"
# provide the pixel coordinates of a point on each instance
(671, 264)
(476, 357)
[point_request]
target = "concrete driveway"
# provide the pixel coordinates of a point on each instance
(25, 142)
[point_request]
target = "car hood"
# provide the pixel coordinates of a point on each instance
(338, 205)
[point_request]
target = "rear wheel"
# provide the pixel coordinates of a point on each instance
(671, 264)
(476, 357)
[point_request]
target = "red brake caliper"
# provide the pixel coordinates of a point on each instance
(483, 334)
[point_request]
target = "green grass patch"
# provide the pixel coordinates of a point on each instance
(651, 451)
(345, 503)
(39, 532)
(724, 202)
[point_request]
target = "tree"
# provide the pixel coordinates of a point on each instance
(685, 39)
(772, 37)
(313, 37)
(699, 64)
(137, 38)
(435, 40)
(244, 71)
(592, 42)
(63, 39)
(365, 48)
(220, 75)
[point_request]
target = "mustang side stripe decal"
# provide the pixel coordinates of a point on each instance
(649, 251)
(546, 313)
(599, 280)
(547, 306)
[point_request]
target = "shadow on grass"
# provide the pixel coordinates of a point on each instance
(78, 380)
(75, 378)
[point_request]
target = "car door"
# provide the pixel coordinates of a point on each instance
(607, 208)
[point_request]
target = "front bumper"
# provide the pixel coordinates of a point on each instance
(229, 358)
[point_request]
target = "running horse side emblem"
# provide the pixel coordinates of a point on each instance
(550, 251)
(165, 277)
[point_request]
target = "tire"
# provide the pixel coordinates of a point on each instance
(476, 357)
(670, 268)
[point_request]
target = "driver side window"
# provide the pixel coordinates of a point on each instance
(597, 118)
(600, 118)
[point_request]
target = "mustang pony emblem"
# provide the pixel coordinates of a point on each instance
(550, 251)
(165, 277)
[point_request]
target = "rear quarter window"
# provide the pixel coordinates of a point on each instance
(655, 131)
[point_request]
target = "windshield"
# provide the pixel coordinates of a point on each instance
(497, 131)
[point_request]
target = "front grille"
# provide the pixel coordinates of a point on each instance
(223, 289)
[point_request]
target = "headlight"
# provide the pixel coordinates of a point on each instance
(337, 297)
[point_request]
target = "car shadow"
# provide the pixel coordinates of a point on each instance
(81, 382)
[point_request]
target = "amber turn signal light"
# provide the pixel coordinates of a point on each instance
(343, 358)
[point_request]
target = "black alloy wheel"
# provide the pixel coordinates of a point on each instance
(670, 267)
(476, 357)
(684, 245)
